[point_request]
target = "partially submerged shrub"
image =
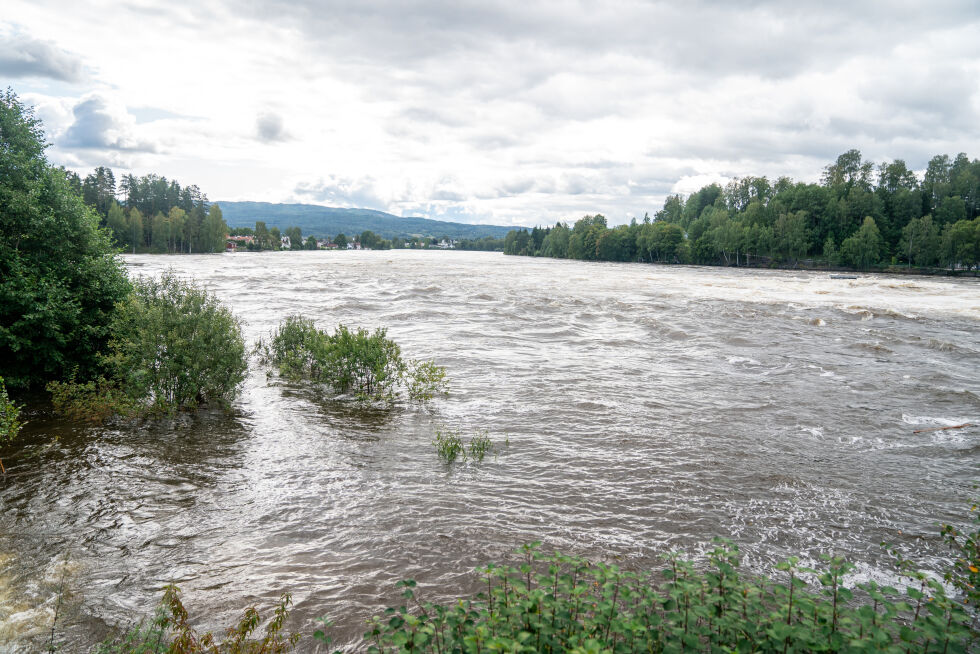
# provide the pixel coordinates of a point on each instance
(352, 361)
(93, 401)
(170, 633)
(174, 346)
(450, 446)
(558, 603)
(10, 423)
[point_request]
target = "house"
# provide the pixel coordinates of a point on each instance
(326, 244)
(284, 243)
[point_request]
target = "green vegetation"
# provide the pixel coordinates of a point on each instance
(450, 446)
(558, 603)
(327, 221)
(59, 280)
(368, 365)
(170, 633)
(853, 217)
(156, 215)
(173, 347)
(10, 423)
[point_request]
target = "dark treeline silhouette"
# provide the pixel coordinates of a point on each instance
(151, 213)
(858, 216)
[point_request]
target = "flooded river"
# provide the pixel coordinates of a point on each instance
(635, 409)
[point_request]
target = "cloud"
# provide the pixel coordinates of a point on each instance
(342, 192)
(269, 128)
(100, 125)
(23, 56)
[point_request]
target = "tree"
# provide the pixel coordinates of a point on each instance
(275, 236)
(920, 242)
(310, 243)
(214, 230)
(295, 236)
(59, 277)
(864, 248)
(341, 241)
(116, 222)
(262, 236)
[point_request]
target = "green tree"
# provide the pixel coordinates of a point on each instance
(864, 248)
(341, 240)
(134, 228)
(792, 237)
(116, 222)
(295, 236)
(59, 278)
(275, 236)
(262, 241)
(920, 242)
(214, 230)
(310, 243)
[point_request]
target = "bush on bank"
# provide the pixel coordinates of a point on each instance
(352, 361)
(173, 347)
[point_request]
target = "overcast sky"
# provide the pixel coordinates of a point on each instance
(515, 112)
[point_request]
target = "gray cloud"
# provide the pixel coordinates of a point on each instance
(96, 126)
(269, 128)
(23, 56)
(342, 192)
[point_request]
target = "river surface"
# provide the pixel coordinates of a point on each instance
(635, 409)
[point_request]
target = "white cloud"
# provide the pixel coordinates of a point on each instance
(513, 113)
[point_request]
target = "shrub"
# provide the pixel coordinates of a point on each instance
(10, 423)
(93, 401)
(425, 381)
(558, 603)
(170, 633)
(450, 446)
(368, 365)
(174, 346)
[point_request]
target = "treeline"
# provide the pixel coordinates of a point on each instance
(263, 237)
(155, 214)
(859, 215)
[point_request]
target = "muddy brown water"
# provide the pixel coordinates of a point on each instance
(635, 409)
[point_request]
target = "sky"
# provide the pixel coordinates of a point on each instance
(500, 112)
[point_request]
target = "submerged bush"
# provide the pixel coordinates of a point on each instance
(450, 446)
(10, 423)
(93, 401)
(173, 346)
(352, 361)
(567, 604)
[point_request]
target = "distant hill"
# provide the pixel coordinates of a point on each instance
(324, 222)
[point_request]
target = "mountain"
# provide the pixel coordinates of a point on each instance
(325, 222)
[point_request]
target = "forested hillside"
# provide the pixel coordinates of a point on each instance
(859, 215)
(324, 222)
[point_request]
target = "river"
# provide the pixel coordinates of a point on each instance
(635, 409)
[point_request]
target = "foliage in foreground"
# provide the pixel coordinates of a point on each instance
(368, 365)
(566, 604)
(174, 346)
(169, 633)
